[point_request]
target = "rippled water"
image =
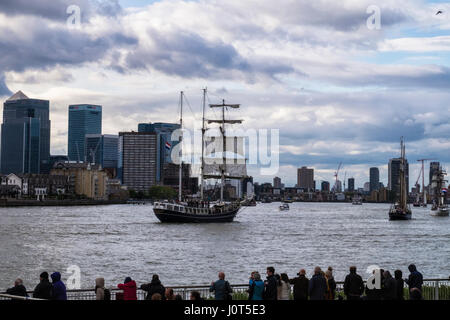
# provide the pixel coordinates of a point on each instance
(128, 240)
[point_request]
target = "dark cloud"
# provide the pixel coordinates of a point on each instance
(57, 9)
(4, 90)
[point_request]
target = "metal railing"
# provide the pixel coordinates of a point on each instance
(432, 289)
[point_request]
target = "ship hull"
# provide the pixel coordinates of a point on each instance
(169, 216)
(400, 216)
(441, 212)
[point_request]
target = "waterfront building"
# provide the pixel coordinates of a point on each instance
(248, 187)
(164, 143)
(394, 174)
(276, 182)
(84, 179)
(25, 135)
(374, 174)
(102, 150)
(338, 186)
(325, 186)
(137, 163)
(434, 168)
(171, 174)
(367, 187)
(305, 178)
(351, 184)
(83, 119)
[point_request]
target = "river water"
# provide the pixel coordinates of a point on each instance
(128, 240)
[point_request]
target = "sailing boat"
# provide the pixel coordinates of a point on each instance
(400, 209)
(440, 208)
(203, 211)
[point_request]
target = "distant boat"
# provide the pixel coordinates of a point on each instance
(440, 208)
(284, 207)
(357, 201)
(288, 201)
(400, 210)
(248, 203)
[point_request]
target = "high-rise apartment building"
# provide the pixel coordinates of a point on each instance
(351, 184)
(137, 160)
(374, 174)
(305, 178)
(394, 174)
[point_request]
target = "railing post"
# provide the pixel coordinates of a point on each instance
(436, 290)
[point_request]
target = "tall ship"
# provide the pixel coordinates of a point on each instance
(218, 165)
(440, 207)
(400, 210)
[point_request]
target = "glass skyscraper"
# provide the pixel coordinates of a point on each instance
(374, 174)
(102, 149)
(83, 119)
(25, 135)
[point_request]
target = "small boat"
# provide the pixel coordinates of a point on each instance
(400, 210)
(357, 201)
(248, 203)
(284, 207)
(288, 201)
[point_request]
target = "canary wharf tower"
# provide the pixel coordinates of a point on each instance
(25, 135)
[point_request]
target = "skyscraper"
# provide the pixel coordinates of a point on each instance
(305, 178)
(137, 160)
(276, 182)
(83, 119)
(102, 149)
(25, 135)
(351, 184)
(434, 167)
(394, 174)
(164, 143)
(374, 179)
(325, 186)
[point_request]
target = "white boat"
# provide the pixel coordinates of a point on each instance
(284, 207)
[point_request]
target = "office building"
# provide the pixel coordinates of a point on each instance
(102, 149)
(394, 174)
(325, 186)
(305, 178)
(434, 167)
(137, 160)
(83, 119)
(164, 143)
(25, 141)
(351, 184)
(374, 179)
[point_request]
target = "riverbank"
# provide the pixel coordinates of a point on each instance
(57, 203)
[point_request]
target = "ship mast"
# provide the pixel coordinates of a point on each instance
(403, 196)
(180, 185)
(203, 146)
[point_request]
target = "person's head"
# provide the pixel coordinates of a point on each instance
(169, 293)
(328, 274)
(330, 269)
(221, 275)
(252, 275)
(415, 294)
(302, 272)
(127, 279)
(352, 269)
(412, 268)
(317, 270)
(284, 277)
(398, 274)
(256, 276)
(270, 271)
(178, 297)
(18, 282)
(56, 276)
(156, 296)
(386, 274)
(195, 295)
(155, 277)
(44, 276)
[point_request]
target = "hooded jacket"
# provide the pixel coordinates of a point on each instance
(100, 289)
(154, 287)
(59, 289)
(129, 290)
(43, 290)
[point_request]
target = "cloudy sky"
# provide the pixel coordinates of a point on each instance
(338, 89)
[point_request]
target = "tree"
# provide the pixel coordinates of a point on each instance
(162, 193)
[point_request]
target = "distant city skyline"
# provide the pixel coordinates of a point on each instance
(375, 85)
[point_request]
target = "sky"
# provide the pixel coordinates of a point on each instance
(337, 88)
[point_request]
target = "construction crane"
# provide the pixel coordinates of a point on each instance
(424, 200)
(336, 174)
